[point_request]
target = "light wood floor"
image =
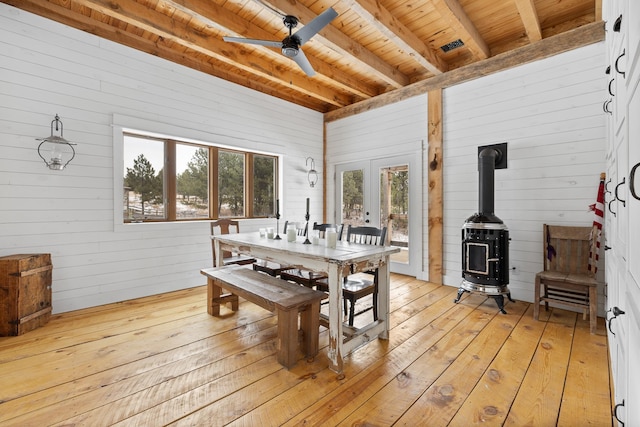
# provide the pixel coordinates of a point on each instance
(162, 360)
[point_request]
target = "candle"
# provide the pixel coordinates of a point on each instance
(291, 234)
(307, 206)
(332, 238)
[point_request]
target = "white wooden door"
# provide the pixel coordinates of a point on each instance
(362, 198)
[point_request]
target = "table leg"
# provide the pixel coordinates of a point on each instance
(335, 319)
(219, 254)
(384, 305)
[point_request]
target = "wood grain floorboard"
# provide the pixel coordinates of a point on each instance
(162, 360)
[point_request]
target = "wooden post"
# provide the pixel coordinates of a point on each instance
(434, 175)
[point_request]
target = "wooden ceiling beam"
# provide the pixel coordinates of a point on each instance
(343, 44)
(529, 17)
(452, 12)
(79, 21)
(374, 14)
(164, 26)
(550, 46)
(225, 21)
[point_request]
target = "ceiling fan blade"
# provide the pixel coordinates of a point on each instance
(303, 62)
(316, 24)
(269, 43)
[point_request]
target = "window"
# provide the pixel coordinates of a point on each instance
(231, 186)
(143, 179)
(264, 179)
(192, 182)
(169, 180)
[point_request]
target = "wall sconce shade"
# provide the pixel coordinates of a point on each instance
(312, 175)
(57, 147)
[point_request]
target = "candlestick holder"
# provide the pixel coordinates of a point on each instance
(277, 237)
(306, 240)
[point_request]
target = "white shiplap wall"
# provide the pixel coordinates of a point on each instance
(392, 130)
(550, 114)
(47, 68)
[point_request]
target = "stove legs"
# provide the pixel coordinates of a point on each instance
(499, 299)
(460, 292)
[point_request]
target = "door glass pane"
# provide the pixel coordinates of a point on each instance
(192, 182)
(352, 197)
(230, 184)
(394, 209)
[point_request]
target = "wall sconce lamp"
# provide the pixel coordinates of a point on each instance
(57, 147)
(312, 175)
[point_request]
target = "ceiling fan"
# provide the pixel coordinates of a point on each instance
(290, 45)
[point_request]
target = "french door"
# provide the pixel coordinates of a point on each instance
(384, 192)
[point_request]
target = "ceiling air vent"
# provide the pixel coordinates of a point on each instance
(450, 46)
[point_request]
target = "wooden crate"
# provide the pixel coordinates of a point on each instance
(25, 292)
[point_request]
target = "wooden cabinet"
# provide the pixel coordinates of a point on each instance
(25, 292)
(622, 228)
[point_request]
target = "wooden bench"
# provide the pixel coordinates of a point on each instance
(286, 299)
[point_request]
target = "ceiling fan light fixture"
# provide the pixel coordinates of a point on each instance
(290, 47)
(289, 52)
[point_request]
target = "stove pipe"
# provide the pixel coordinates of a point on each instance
(486, 170)
(487, 160)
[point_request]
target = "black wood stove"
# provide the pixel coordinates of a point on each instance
(485, 238)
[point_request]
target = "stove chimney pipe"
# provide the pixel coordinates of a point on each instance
(490, 158)
(487, 160)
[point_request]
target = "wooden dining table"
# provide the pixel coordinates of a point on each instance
(346, 258)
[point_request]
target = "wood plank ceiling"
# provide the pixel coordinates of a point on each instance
(373, 47)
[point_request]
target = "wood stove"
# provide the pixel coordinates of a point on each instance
(485, 238)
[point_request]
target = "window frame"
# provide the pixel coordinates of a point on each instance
(170, 177)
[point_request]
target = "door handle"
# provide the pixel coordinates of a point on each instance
(632, 179)
(615, 192)
(616, 64)
(615, 412)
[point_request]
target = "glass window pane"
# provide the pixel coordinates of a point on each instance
(144, 189)
(230, 184)
(353, 197)
(264, 183)
(192, 181)
(394, 205)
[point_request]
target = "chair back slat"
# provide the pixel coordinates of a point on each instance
(322, 228)
(567, 248)
(299, 231)
(367, 235)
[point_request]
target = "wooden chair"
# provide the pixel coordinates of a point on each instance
(355, 288)
(273, 268)
(225, 226)
(305, 277)
(566, 279)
